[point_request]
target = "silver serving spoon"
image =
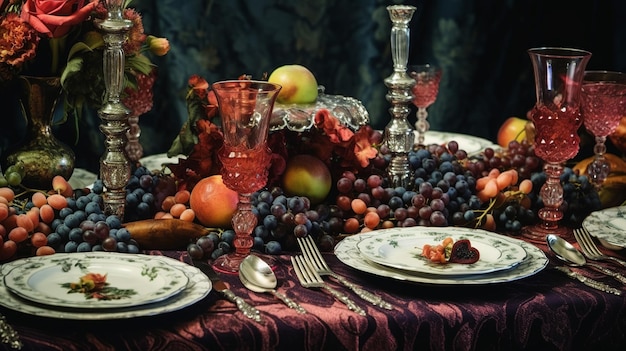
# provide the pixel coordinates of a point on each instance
(566, 252)
(257, 276)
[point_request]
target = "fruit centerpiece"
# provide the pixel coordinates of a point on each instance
(326, 181)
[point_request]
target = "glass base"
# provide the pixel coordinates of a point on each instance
(537, 233)
(229, 263)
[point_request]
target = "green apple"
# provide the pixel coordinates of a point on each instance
(307, 175)
(299, 84)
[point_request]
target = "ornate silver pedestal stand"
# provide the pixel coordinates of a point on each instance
(114, 166)
(399, 135)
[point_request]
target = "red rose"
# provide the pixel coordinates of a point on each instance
(55, 18)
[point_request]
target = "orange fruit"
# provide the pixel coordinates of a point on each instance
(213, 202)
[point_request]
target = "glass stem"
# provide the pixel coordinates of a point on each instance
(421, 125)
(552, 196)
(244, 221)
(599, 169)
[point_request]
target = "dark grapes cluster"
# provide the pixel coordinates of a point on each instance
(82, 226)
(512, 216)
(213, 245)
(145, 193)
(518, 155)
(579, 196)
(441, 193)
(283, 218)
(140, 199)
(280, 220)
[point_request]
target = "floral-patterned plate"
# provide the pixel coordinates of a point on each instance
(198, 288)
(131, 280)
(402, 248)
(347, 252)
(608, 224)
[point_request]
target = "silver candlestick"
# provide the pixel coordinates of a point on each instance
(114, 165)
(399, 135)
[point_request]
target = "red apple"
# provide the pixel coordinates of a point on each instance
(299, 84)
(307, 175)
(513, 128)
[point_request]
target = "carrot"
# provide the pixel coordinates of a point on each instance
(165, 234)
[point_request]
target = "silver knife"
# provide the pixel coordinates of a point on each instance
(588, 281)
(245, 308)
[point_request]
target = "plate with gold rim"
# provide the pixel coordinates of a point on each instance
(62, 280)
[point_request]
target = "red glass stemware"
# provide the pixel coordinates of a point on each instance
(425, 90)
(245, 110)
(603, 105)
(556, 115)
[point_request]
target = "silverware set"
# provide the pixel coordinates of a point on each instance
(309, 278)
(591, 251)
(313, 257)
(311, 266)
(589, 248)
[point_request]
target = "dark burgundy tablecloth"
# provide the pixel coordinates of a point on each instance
(547, 311)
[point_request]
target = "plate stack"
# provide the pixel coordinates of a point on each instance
(137, 285)
(608, 225)
(397, 253)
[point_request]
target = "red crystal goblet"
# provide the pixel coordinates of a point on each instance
(556, 116)
(425, 90)
(245, 108)
(603, 105)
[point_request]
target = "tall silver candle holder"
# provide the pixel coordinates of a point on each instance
(114, 165)
(398, 133)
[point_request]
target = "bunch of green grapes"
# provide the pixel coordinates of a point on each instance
(13, 175)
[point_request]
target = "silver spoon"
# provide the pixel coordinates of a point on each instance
(257, 276)
(568, 253)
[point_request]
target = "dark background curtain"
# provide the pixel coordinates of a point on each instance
(480, 44)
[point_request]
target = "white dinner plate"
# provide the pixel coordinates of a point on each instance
(473, 145)
(402, 248)
(132, 280)
(608, 224)
(197, 289)
(348, 253)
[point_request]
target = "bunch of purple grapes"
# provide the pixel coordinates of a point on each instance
(280, 220)
(145, 193)
(440, 193)
(82, 226)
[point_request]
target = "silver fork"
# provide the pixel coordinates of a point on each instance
(309, 278)
(314, 257)
(590, 249)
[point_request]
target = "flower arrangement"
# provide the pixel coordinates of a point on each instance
(59, 38)
(340, 147)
